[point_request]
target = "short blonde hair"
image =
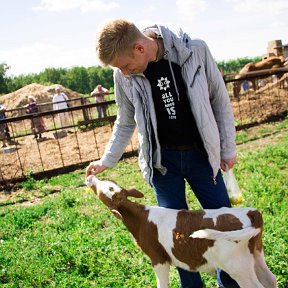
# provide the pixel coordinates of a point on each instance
(116, 38)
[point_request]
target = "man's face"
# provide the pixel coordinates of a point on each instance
(134, 64)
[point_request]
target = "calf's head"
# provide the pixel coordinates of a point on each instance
(110, 193)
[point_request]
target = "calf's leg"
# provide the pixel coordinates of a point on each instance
(264, 275)
(243, 271)
(162, 275)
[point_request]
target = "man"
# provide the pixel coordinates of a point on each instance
(60, 102)
(99, 92)
(4, 130)
(170, 87)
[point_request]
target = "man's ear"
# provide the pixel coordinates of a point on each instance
(138, 47)
(117, 214)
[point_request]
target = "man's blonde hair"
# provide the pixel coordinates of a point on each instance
(116, 38)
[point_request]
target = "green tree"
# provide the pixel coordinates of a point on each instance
(93, 74)
(3, 78)
(84, 80)
(16, 82)
(235, 65)
(77, 79)
(100, 75)
(106, 76)
(51, 76)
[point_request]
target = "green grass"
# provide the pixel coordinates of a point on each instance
(68, 238)
(265, 130)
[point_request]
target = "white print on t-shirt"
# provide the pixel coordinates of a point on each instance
(169, 104)
(163, 83)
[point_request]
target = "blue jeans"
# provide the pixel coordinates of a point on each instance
(194, 167)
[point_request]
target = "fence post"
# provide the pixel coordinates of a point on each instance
(84, 110)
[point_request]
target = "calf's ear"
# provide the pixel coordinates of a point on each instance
(134, 193)
(117, 214)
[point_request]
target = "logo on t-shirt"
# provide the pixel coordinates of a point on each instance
(163, 83)
(167, 97)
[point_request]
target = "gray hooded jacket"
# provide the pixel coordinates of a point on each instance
(208, 98)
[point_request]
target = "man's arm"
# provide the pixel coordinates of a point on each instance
(222, 110)
(123, 130)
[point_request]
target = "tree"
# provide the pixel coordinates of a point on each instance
(77, 79)
(94, 79)
(16, 82)
(235, 65)
(99, 75)
(3, 78)
(106, 75)
(51, 75)
(84, 80)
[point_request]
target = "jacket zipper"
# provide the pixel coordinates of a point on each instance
(148, 131)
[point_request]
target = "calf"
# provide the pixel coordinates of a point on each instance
(203, 240)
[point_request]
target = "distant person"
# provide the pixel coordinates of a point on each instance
(4, 130)
(274, 79)
(261, 82)
(99, 92)
(37, 123)
(245, 85)
(7, 132)
(60, 102)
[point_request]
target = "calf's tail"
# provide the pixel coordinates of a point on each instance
(239, 235)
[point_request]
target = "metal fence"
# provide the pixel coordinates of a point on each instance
(258, 97)
(83, 139)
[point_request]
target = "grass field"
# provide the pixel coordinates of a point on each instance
(55, 233)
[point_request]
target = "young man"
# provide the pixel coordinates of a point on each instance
(170, 87)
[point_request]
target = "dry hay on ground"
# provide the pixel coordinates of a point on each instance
(50, 153)
(261, 105)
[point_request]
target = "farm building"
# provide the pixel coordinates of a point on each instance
(276, 48)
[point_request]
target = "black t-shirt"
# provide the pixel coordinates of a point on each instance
(175, 121)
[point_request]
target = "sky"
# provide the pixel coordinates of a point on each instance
(39, 34)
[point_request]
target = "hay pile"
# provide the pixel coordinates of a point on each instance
(43, 94)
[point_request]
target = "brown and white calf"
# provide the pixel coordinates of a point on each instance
(203, 240)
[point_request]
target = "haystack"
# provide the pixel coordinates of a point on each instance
(43, 94)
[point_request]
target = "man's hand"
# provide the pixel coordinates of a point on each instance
(95, 168)
(227, 164)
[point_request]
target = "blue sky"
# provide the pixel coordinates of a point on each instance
(38, 34)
